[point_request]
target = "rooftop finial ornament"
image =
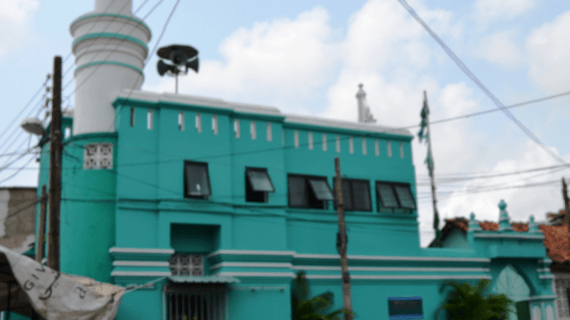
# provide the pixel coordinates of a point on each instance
(364, 114)
(181, 57)
(504, 223)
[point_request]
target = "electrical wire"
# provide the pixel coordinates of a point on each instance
(17, 171)
(481, 86)
(162, 33)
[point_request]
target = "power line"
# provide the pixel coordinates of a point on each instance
(163, 30)
(468, 72)
(17, 171)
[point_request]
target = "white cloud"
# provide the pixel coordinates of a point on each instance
(500, 48)
(280, 61)
(488, 10)
(549, 49)
(15, 16)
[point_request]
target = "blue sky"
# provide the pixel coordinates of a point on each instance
(307, 57)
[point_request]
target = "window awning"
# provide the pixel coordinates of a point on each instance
(260, 181)
(405, 197)
(321, 189)
(203, 279)
(386, 195)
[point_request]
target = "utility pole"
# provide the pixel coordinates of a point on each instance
(55, 168)
(40, 243)
(343, 241)
(429, 162)
(566, 205)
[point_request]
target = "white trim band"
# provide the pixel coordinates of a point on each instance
(398, 277)
(323, 268)
(382, 258)
(251, 265)
(140, 263)
(252, 252)
(541, 297)
(548, 276)
(512, 236)
(141, 250)
(141, 274)
(258, 274)
(541, 270)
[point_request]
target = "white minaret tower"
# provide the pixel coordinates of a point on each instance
(110, 47)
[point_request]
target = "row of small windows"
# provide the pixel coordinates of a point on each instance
(304, 191)
(253, 134)
(350, 144)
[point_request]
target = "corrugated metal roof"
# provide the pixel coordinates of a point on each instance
(203, 279)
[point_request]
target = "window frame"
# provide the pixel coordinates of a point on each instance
(350, 181)
(203, 196)
(393, 185)
(249, 188)
(307, 179)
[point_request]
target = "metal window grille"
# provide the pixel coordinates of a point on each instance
(364, 146)
(562, 286)
(187, 264)
(389, 143)
(562, 302)
(401, 150)
(98, 156)
(198, 304)
(310, 140)
(269, 132)
(351, 145)
(337, 143)
(324, 142)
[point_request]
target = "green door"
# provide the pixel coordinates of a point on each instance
(513, 286)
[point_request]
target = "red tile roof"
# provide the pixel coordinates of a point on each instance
(556, 239)
(556, 242)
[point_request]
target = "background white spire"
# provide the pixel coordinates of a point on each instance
(364, 114)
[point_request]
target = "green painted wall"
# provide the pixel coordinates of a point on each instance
(140, 207)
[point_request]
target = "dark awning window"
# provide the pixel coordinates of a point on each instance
(405, 196)
(386, 195)
(260, 181)
(321, 189)
(197, 182)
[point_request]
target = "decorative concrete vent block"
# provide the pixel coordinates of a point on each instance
(98, 156)
(187, 264)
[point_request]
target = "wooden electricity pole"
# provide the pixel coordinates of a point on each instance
(343, 241)
(55, 168)
(40, 242)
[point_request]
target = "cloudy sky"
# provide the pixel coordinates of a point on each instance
(308, 56)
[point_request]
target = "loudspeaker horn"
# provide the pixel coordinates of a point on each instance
(163, 68)
(193, 64)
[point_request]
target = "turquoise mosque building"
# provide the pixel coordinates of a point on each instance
(209, 208)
